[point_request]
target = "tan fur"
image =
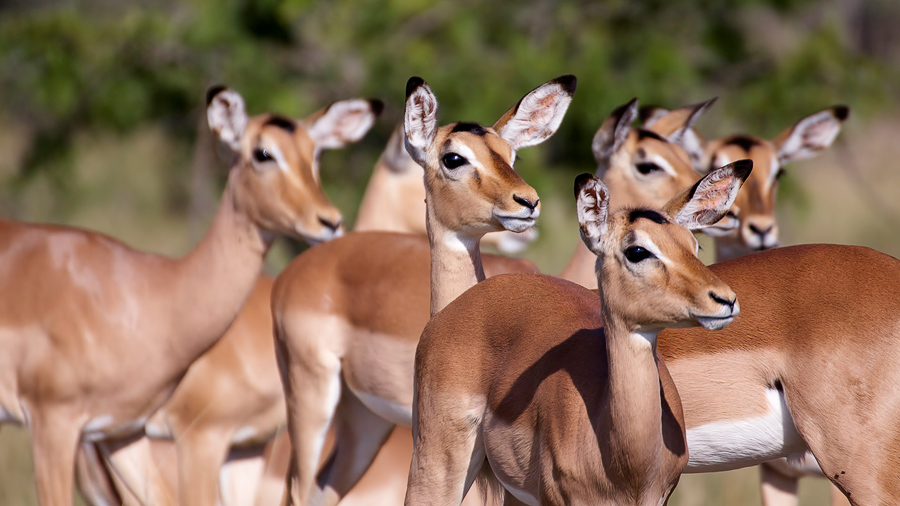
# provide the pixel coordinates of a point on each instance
(821, 321)
(86, 315)
(552, 384)
(348, 314)
(628, 187)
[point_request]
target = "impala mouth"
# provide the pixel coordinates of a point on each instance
(714, 322)
(313, 239)
(518, 223)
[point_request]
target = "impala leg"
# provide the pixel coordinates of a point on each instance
(201, 454)
(778, 489)
(54, 442)
(240, 477)
(360, 434)
(447, 456)
(132, 461)
(312, 384)
(277, 459)
(92, 478)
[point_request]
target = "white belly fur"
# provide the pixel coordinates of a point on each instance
(399, 414)
(720, 446)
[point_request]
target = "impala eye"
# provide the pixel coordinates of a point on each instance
(636, 254)
(452, 161)
(647, 167)
(262, 155)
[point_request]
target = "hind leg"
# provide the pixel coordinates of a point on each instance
(360, 434)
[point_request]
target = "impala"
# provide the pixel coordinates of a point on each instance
(97, 335)
(755, 204)
(560, 389)
(758, 230)
(339, 305)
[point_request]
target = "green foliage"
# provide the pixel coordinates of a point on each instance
(64, 71)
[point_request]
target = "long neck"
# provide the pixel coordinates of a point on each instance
(393, 201)
(455, 263)
(580, 268)
(210, 283)
(634, 390)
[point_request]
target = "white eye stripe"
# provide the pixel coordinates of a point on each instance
(465, 152)
(643, 240)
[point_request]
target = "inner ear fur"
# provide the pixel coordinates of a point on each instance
(708, 200)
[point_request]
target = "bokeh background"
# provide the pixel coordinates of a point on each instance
(102, 120)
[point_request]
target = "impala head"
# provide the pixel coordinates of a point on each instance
(754, 208)
(276, 164)
(647, 266)
(470, 183)
(645, 167)
(756, 202)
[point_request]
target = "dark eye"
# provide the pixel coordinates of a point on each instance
(635, 254)
(262, 155)
(647, 167)
(452, 161)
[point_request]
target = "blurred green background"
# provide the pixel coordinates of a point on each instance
(102, 120)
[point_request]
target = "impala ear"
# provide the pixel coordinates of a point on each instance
(343, 122)
(538, 115)
(677, 127)
(709, 199)
(226, 115)
(592, 201)
(650, 114)
(420, 119)
(810, 135)
(612, 133)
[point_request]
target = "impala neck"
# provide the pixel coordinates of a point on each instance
(580, 268)
(455, 263)
(212, 281)
(392, 201)
(634, 389)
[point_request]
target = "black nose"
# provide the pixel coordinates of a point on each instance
(756, 230)
(723, 300)
(525, 202)
(333, 225)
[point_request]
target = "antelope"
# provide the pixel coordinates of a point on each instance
(758, 230)
(232, 396)
(97, 335)
(755, 206)
(339, 305)
(394, 200)
(559, 388)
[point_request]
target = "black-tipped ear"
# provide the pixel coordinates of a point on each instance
(841, 112)
(538, 114)
(811, 134)
(413, 84)
(227, 116)
(377, 106)
(212, 91)
(613, 131)
(592, 203)
(419, 119)
(568, 83)
(342, 122)
(705, 203)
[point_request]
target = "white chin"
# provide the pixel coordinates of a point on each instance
(715, 323)
(517, 224)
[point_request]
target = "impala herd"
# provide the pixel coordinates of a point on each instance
(398, 361)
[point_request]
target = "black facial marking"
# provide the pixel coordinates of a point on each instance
(212, 91)
(648, 214)
(742, 141)
(644, 134)
(281, 122)
(472, 128)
